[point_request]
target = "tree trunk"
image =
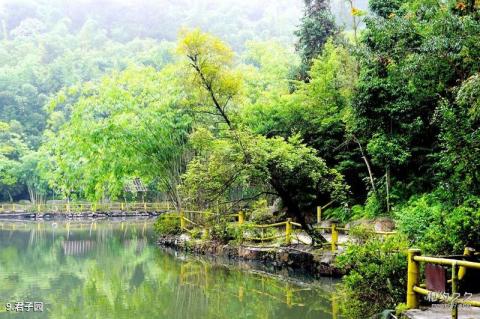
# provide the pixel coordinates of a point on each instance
(387, 186)
(367, 163)
(293, 211)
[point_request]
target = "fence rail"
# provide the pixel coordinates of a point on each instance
(74, 207)
(187, 217)
(458, 270)
(289, 225)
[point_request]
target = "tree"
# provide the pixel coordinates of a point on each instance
(210, 74)
(320, 112)
(236, 158)
(12, 148)
(459, 122)
(317, 26)
(411, 61)
(277, 167)
(127, 126)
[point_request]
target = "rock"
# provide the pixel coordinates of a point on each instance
(384, 224)
(253, 253)
(325, 223)
(282, 256)
(284, 259)
(276, 206)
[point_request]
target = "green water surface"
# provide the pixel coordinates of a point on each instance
(113, 269)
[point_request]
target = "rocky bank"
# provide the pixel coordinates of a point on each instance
(295, 257)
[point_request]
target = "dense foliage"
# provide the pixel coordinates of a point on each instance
(377, 277)
(380, 118)
(382, 121)
(47, 46)
(317, 27)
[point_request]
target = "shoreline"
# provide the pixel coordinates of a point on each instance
(63, 216)
(291, 258)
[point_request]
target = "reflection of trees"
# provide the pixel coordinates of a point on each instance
(121, 276)
(77, 247)
(254, 295)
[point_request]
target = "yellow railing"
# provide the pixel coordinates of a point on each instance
(74, 207)
(335, 231)
(187, 219)
(288, 224)
(459, 268)
(200, 219)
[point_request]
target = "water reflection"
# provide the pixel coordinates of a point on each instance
(112, 269)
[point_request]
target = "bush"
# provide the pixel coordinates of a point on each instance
(340, 214)
(260, 212)
(437, 227)
(373, 207)
(360, 234)
(167, 224)
(225, 232)
(376, 278)
(463, 224)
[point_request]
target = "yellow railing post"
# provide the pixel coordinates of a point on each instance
(289, 297)
(241, 217)
(182, 220)
(454, 291)
(334, 237)
(206, 233)
(412, 279)
(288, 231)
(241, 293)
(319, 214)
(463, 270)
(334, 307)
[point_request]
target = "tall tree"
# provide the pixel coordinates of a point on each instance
(236, 157)
(317, 25)
(414, 57)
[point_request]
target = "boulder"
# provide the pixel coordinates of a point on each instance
(384, 224)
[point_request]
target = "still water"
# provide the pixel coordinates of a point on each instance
(113, 269)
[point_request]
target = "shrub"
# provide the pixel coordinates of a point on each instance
(376, 278)
(260, 212)
(421, 220)
(437, 227)
(196, 233)
(225, 232)
(373, 207)
(463, 225)
(167, 224)
(340, 214)
(361, 234)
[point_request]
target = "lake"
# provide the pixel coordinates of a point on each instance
(114, 269)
